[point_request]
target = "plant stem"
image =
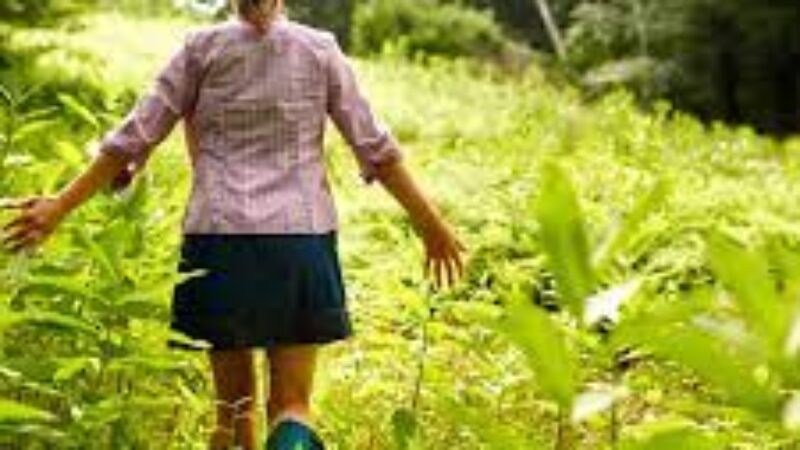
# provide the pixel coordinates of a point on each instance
(563, 433)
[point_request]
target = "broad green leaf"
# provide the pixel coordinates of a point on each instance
(13, 412)
(671, 436)
(746, 275)
(150, 363)
(713, 360)
(544, 344)
(30, 129)
(785, 261)
(563, 237)
(621, 235)
(74, 106)
(10, 319)
(70, 285)
(69, 368)
(732, 333)
(178, 339)
(110, 265)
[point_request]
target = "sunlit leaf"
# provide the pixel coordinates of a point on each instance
(746, 274)
(72, 367)
(31, 129)
(596, 401)
(791, 413)
(712, 360)
(13, 412)
(606, 305)
(563, 237)
(10, 319)
(624, 231)
(110, 265)
(63, 284)
(70, 154)
(74, 106)
(791, 347)
(545, 346)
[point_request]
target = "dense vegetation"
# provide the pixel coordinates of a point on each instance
(730, 60)
(632, 284)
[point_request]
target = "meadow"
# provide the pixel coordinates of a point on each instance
(632, 279)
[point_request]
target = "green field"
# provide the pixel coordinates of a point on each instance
(558, 198)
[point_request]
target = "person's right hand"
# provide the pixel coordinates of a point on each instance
(38, 218)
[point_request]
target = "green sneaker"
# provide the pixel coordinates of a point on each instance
(294, 435)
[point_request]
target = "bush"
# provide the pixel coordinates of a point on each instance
(426, 27)
(38, 11)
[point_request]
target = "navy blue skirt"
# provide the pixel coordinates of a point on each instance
(259, 291)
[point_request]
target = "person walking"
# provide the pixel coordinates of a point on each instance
(254, 94)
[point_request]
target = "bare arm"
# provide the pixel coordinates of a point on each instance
(441, 244)
(146, 126)
(40, 216)
(380, 158)
(99, 174)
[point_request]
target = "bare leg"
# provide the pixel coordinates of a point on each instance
(291, 370)
(235, 384)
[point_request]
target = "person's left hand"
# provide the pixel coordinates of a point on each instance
(38, 218)
(442, 254)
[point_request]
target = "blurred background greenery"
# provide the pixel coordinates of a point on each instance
(731, 60)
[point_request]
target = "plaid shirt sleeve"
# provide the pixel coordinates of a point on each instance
(370, 140)
(170, 98)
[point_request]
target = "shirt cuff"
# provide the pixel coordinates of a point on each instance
(124, 143)
(385, 151)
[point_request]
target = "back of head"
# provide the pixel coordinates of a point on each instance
(259, 10)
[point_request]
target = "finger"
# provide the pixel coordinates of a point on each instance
(17, 236)
(458, 262)
(427, 265)
(28, 242)
(439, 273)
(23, 219)
(448, 265)
(11, 203)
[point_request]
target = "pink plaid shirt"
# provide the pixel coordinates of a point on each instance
(255, 109)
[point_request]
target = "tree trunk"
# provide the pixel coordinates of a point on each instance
(552, 29)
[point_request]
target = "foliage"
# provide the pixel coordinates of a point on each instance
(632, 277)
(729, 60)
(426, 27)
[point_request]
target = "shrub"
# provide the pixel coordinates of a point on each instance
(426, 27)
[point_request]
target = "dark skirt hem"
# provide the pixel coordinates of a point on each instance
(259, 292)
(200, 345)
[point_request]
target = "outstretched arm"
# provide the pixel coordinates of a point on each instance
(130, 145)
(380, 158)
(39, 216)
(442, 247)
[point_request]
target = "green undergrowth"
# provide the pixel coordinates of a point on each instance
(84, 345)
